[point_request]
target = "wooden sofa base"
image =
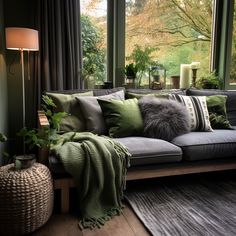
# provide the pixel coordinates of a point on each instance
(64, 184)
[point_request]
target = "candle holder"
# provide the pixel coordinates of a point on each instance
(194, 77)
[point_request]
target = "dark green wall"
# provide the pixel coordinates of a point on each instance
(3, 81)
(21, 15)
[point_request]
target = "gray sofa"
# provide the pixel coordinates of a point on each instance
(194, 152)
(189, 153)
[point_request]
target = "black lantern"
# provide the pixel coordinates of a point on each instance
(157, 77)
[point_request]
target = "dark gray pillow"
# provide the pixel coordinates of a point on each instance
(92, 111)
(164, 119)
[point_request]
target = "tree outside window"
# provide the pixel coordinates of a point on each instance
(233, 52)
(94, 31)
(176, 31)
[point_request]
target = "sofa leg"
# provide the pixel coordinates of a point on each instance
(65, 198)
(64, 185)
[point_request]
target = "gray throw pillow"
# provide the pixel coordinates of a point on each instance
(92, 111)
(164, 119)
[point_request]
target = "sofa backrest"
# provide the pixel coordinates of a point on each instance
(96, 92)
(230, 104)
(153, 91)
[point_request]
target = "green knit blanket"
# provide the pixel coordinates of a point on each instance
(98, 165)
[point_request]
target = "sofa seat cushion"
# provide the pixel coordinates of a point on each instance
(147, 151)
(207, 145)
(144, 151)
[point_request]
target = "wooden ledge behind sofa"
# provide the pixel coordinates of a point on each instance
(145, 172)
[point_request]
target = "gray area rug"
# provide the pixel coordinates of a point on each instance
(192, 208)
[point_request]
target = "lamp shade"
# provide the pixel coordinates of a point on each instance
(22, 39)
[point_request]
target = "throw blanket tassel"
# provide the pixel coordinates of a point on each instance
(92, 223)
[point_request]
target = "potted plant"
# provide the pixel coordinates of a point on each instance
(210, 81)
(47, 136)
(142, 59)
(131, 71)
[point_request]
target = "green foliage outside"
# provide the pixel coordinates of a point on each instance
(93, 54)
(179, 32)
(233, 55)
(210, 81)
(175, 31)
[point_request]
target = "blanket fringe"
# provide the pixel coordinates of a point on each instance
(92, 222)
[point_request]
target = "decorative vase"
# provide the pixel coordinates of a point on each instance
(24, 161)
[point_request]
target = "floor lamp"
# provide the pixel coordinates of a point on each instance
(22, 39)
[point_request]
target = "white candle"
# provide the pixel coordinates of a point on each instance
(185, 74)
(195, 65)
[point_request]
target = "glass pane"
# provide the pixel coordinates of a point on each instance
(166, 34)
(232, 80)
(94, 38)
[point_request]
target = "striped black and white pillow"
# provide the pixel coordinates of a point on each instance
(197, 108)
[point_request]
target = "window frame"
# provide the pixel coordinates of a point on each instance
(222, 29)
(228, 47)
(223, 38)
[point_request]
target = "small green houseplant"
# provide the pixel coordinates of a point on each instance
(210, 81)
(131, 71)
(48, 135)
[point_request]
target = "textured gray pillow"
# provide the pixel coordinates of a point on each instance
(92, 111)
(164, 119)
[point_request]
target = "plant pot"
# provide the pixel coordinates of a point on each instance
(130, 79)
(209, 85)
(175, 81)
(24, 161)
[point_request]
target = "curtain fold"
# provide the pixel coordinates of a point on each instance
(60, 63)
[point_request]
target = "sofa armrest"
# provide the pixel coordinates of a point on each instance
(43, 153)
(42, 119)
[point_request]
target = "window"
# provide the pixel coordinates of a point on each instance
(168, 33)
(94, 39)
(232, 79)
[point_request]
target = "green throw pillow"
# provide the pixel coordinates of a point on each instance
(216, 105)
(140, 95)
(67, 102)
(123, 118)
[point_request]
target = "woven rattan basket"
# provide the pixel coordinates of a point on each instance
(26, 199)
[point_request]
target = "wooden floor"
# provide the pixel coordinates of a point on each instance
(126, 224)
